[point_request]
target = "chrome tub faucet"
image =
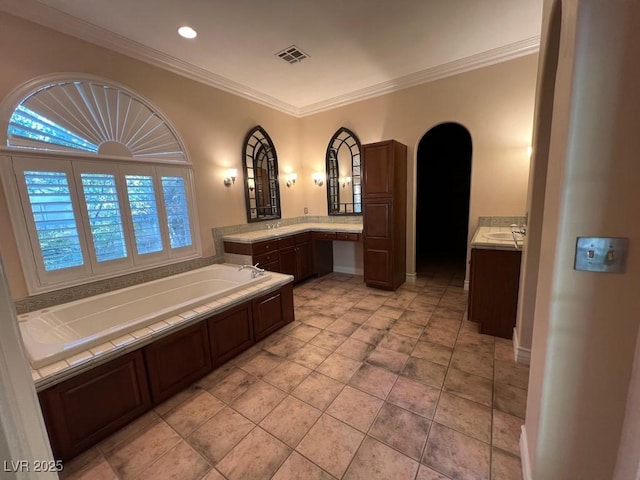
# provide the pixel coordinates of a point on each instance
(255, 270)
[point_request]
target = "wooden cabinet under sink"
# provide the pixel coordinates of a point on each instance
(295, 256)
(493, 290)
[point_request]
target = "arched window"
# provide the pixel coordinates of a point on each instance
(97, 181)
(344, 187)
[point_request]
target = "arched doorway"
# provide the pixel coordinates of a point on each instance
(442, 204)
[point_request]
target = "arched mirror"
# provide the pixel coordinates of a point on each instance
(344, 187)
(260, 165)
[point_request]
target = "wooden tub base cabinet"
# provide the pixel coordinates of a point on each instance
(82, 410)
(85, 409)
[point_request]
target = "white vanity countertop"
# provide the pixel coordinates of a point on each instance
(267, 234)
(480, 239)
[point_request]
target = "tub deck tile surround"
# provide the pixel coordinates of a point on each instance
(465, 428)
(56, 372)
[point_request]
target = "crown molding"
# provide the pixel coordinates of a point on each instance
(472, 62)
(34, 11)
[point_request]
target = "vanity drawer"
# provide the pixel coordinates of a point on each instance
(265, 247)
(303, 237)
(266, 258)
(289, 241)
(324, 235)
(348, 237)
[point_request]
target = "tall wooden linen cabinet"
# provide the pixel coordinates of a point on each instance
(384, 199)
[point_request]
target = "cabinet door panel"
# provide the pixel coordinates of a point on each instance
(230, 333)
(177, 361)
(272, 311)
(83, 410)
(288, 261)
(378, 172)
(494, 290)
(377, 220)
(377, 264)
(304, 264)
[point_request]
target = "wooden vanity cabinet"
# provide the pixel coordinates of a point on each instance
(295, 256)
(384, 187)
(266, 254)
(272, 311)
(493, 290)
(230, 333)
(178, 360)
(83, 410)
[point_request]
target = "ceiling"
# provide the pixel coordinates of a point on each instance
(357, 48)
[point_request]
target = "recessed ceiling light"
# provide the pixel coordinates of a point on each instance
(187, 32)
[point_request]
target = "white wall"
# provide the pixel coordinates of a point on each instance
(22, 433)
(494, 103)
(586, 324)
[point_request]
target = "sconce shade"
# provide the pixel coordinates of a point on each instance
(318, 178)
(291, 180)
(231, 175)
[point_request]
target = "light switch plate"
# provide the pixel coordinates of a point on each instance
(601, 254)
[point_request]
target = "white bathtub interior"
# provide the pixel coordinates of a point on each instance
(55, 333)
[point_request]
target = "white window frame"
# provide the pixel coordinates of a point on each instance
(111, 266)
(40, 281)
(187, 175)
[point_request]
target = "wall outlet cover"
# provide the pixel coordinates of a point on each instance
(601, 254)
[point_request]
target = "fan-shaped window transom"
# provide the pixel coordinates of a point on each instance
(97, 184)
(92, 117)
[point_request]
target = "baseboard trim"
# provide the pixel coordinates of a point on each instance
(466, 285)
(411, 277)
(524, 455)
(349, 270)
(521, 354)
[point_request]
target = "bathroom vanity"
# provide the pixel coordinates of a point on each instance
(299, 250)
(493, 281)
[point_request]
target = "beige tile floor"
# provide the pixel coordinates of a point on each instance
(364, 384)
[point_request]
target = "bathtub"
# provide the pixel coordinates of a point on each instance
(58, 332)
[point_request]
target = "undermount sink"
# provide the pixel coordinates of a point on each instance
(501, 236)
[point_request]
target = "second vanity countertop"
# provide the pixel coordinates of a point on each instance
(480, 239)
(266, 234)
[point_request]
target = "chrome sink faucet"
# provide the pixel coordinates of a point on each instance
(522, 229)
(255, 270)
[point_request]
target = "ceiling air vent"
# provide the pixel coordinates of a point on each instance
(292, 54)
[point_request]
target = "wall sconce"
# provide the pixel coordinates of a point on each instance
(318, 178)
(292, 179)
(345, 181)
(232, 173)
